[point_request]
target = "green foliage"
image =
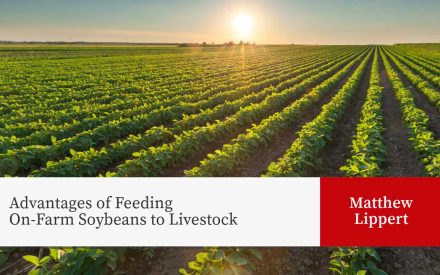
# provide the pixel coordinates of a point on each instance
(223, 261)
(355, 261)
(79, 117)
(75, 261)
(422, 138)
(424, 80)
(368, 149)
(153, 161)
(303, 155)
(128, 119)
(224, 162)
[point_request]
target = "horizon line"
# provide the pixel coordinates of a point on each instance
(191, 43)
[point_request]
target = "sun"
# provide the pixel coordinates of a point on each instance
(243, 24)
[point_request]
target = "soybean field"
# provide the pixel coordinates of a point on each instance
(244, 110)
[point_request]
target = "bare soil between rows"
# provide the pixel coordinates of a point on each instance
(421, 102)
(283, 261)
(401, 160)
(263, 158)
(338, 150)
(276, 148)
(294, 261)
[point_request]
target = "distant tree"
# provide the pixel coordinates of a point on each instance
(241, 43)
(231, 43)
(204, 44)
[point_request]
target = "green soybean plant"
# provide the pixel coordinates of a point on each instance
(355, 261)
(87, 261)
(223, 261)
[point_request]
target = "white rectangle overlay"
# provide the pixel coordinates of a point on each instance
(267, 211)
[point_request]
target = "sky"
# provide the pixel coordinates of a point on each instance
(271, 21)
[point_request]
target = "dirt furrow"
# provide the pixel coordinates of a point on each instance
(421, 102)
(400, 57)
(283, 141)
(401, 159)
(264, 157)
(338, 150)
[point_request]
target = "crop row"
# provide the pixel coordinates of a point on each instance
(90, 96)
(420, 72)
(125, 74)
(64, 131)
(303, 155)
(420, 62)
(417, 69)
(417, 124)
(89, 163)
(136, 96)
(92, 161)
(368, 148)
(153, 161)
(423, 86)
(79, 93)
(61, 128)
(35, 156)
(422, 55)
(233, 155)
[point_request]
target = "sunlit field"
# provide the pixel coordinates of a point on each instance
(242, 110)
